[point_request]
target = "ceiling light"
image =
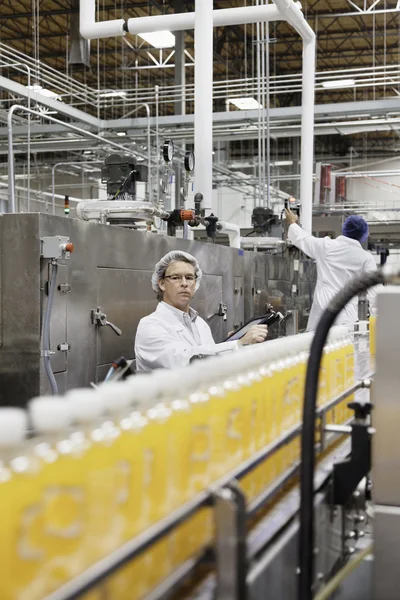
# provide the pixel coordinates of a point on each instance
(338, 83)
(112, 94)
(282, 163)
(159, 39)
(245, 103)
(43, 91)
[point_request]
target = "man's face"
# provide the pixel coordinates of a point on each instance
(178, 285)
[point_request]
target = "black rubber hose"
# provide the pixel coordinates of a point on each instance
(306, 539)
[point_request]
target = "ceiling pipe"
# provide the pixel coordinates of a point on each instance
(90, 30)
(291, 12)
(220, 18)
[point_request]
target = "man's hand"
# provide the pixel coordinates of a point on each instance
(291, 217)
(255, 335)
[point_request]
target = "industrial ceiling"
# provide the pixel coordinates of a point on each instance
(356, 41)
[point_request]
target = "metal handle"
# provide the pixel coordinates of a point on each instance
(115, 329)
(99, 317)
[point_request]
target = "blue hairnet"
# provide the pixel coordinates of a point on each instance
(355, 228)
(174, 256)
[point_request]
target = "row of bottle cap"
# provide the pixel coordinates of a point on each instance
(87, 405)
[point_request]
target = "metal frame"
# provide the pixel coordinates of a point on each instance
(386, 448)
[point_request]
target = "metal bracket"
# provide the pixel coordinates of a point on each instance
(64, 347)
(230, 543)
(65, 288)
(222, 312)
(99, 317)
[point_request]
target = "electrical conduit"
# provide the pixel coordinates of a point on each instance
(46, 330)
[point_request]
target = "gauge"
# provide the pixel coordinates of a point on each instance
(168, 150)
(189, 161)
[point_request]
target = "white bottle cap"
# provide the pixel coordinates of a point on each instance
(50, 414)
(85, 405)
(13, 426)
(146, 388)
(116, 396)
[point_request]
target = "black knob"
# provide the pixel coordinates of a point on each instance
(361, 410)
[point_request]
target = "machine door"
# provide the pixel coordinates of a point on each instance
(58, 323)
(207, 302)
(126, 296)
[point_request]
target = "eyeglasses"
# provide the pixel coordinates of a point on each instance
(179, 278)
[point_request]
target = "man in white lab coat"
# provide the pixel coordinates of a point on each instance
(175, 333)
(338, 262)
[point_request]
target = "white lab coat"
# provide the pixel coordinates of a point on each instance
(164, 342)
(338, 262)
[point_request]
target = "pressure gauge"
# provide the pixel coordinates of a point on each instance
(168, 150)
(189, 161)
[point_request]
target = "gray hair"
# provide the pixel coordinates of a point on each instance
(166, 261)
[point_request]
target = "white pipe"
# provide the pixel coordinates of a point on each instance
(221, 18)
(261, 242)
(91, 30)
(291, 12)
(233, 232)
(95, 210)
(203, 118)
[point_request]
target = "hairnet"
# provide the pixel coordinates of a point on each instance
(174, 256)
(355, 228)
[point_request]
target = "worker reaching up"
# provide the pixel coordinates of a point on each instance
(338, 262)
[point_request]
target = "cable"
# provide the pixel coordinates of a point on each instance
(349, 567)
(306, 538)
(46, 330)
(121, 187)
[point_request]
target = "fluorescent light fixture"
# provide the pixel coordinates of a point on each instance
(43, 91)
(282, 163)
(245, 103)
(121, 133)
(159, 39)
(112, 94)
(338, 83)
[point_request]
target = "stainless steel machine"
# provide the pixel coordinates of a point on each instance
(103, 289)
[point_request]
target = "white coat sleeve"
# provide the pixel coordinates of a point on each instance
(305, 242)
(370, 267)
(155, 348)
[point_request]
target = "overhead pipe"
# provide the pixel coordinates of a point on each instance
(291, 12)
(91, 30)
(220, 18)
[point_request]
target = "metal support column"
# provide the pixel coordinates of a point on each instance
(230, 543)
(180, 105)
(203, 125)
(386, 448)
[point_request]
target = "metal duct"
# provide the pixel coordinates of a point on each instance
(79, 48)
